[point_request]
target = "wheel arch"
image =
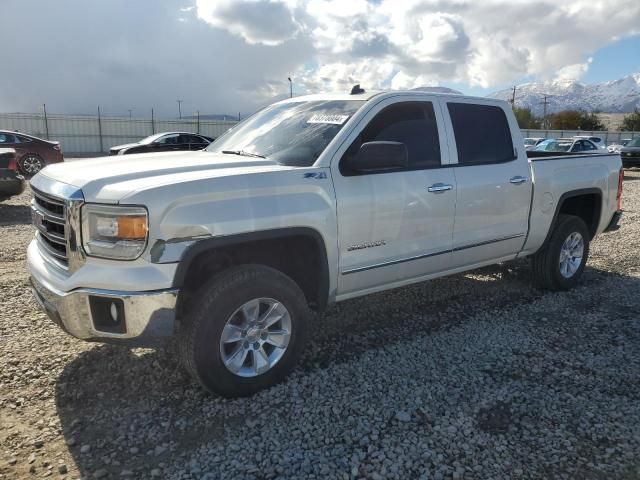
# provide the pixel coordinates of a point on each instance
(585, 203)
(298, 252)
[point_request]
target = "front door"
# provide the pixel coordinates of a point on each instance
(395, 226)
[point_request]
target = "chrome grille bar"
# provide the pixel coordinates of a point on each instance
(48, 215)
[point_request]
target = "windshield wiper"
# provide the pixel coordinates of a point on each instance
(243, 153)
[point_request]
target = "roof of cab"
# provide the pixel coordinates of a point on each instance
(369, 94)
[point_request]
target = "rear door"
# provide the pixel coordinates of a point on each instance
(493, 183)
(395, 226)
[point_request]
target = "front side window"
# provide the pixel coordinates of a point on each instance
(482, 134)
(292, 133)
(411, 123)
(168, 140)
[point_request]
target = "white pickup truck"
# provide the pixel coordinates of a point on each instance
(310, 201)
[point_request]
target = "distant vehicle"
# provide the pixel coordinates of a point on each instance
(573, 145)
(11, 183)
(531, 142)
(597, 141)
(630, 153)
(615, 147)
(32, 153)
(164, 142)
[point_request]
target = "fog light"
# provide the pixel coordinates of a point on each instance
(108, 314)
(113, 310)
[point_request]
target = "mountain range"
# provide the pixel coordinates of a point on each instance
(615, 96)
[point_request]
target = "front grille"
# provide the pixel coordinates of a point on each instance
(49, 215)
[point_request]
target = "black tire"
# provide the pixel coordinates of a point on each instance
(30, 164)
(201, 328)
(546, 262)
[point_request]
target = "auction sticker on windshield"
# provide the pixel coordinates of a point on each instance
(325, 118)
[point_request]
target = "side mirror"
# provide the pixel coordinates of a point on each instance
(374, 156)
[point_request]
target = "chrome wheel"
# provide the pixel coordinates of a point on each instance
(31, 164)
(571, 255)
(255, 337)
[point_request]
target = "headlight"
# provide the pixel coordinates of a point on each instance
(117, 232)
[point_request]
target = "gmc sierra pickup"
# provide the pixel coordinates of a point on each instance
(312, 200)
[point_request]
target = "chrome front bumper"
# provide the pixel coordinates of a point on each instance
(148, 317)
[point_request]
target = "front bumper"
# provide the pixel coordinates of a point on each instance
(147, 318)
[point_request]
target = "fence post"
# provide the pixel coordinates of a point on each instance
(153, 127)
(46, 121)
(100, 129)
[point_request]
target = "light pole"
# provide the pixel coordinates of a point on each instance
(179, 108)
(290, 87)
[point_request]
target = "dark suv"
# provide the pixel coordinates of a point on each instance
(630, 153)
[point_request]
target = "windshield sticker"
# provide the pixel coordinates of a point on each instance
(332, 119)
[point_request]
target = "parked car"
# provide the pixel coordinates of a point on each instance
(310, 201)
(597, 141)
(32, 153)
(630, 153)
(572, 145)
(164, 142)
(531, 142)
(615, 147)
(11, 182)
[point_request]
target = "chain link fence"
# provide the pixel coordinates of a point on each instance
(97, 134)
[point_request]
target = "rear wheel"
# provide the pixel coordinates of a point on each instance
(247, 331)
(560, 263)
(30, 164)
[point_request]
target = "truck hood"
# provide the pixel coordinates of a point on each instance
(110, 179)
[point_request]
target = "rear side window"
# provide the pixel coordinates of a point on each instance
(7, 138)
(411, 123)
(482, 134)
(22, 139)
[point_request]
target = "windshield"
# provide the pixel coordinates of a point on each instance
(634, 143)
(292, 134)
(553, 146)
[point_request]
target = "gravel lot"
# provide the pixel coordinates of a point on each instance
(472, 376)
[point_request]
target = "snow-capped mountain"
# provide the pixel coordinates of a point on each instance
(621, 95)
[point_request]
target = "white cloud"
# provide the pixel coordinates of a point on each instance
(405, 42)
(225, 56)
(575, 71)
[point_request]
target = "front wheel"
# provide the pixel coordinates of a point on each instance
(246, 332)
(560, 263)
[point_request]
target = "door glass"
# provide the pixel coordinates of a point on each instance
(411, 123)
(168, 140)
(482, 134)
(6, 138)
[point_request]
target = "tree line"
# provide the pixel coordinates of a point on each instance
(572, 120)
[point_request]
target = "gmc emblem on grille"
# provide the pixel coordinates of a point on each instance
(37, 218)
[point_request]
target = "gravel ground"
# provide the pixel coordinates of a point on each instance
(473, 376)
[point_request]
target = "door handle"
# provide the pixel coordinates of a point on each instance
(439, 187)
(517, 180)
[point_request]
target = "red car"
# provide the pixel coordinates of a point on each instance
(32, 153)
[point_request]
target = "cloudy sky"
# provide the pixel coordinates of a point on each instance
(229, 56)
